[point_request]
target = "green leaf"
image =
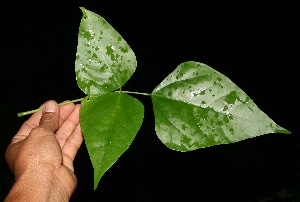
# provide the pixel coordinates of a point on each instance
(109, 124)
(196, 106)
(104, 61)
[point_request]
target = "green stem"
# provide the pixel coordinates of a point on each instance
(121, 91)
(77, 100)
(40, 109)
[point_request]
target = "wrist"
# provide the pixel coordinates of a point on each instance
(39, 184)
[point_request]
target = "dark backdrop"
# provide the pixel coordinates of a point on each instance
(255, 44)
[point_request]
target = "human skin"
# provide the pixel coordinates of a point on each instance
(42, 152)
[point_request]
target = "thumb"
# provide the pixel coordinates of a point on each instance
(50, 116)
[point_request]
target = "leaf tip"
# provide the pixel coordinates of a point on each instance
(83, 11)
(96, 182)
(283, 131)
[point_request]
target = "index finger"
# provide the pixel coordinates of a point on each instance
(34, 120)
(27, 126)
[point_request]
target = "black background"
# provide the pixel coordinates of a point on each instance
(255, 44)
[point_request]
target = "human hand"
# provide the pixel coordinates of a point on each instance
(42, 152)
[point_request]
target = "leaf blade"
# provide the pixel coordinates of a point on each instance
(205, 108)
(109, 127)
(104, 61)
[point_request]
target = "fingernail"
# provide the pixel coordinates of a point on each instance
(50, 107)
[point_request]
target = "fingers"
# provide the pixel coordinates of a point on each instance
(70, 137)
(71, 147)
(63, 121)
(50, 116)
(33, 121)
(27, 126)
(65, 111)
(68, 126)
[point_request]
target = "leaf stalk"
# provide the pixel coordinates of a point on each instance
(20, 114)
(40, 109)
(130, 92)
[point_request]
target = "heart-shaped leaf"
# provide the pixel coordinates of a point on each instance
(104, 61)
(109, 123)
(196, 106)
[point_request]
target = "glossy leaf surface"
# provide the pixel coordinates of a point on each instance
(104, 60)
(196, 106)
(109, 123)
